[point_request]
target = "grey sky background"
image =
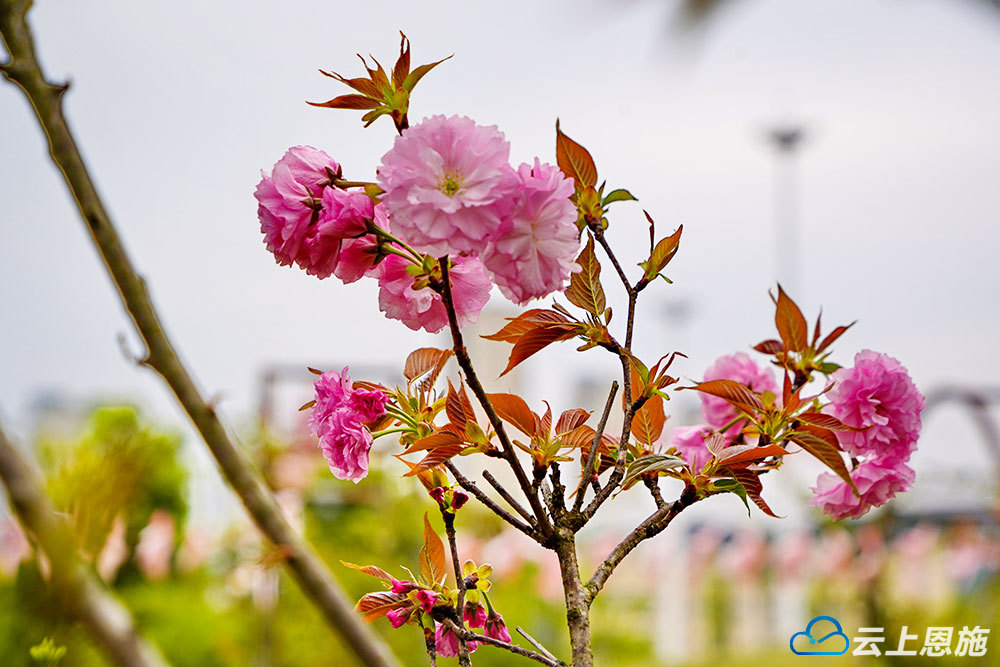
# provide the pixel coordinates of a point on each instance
(178, 106)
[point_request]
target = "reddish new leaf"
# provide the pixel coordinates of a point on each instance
(585, 290)
(435, 457)
(537, 339)
(571, 419)
(770, 346)
(574, 161)
(513, 410)
(370, 570)
(425, 360)
(647, 423)
(662, 253)
(822, 444)
(402, 66)
(525, 322)
(791, 323)
(375, 605)
(742, 455)
(826, 421)
(751, 482)
(433, 565)
(733, 392)
(349, 102)
(458, 407)
(833, 335)
(449, 434)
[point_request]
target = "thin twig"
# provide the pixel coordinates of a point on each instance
(653, 484)
(471, 487)
(430, 643)
(462, 355)
(537, 644)
(449, 529)
(109, 623)
(585, 474)
(513, 648)
(315, 579)
(505, 494)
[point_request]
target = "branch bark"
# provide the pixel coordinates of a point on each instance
(313, 576)
(106, 619)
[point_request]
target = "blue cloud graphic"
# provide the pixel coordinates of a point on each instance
(818, 640)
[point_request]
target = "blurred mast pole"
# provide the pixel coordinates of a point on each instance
(786, 141)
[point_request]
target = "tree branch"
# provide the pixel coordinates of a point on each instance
(588, 468)
(449, 529)
(462, 355)
(106, 619)
(471, 487)
(513, 648)
(505, 494)
(312, 575)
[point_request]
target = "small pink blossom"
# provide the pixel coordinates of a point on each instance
(474, 614)
(398, 617)
(287, 201)
(447, 185)
(403, 587)
(358, 255)
(495, 628)
(446, 642)
(426, 599)
(458, 499)
(877, 392)
(739, 368)
(535, 254)
(877, 481)
(422, 308)
(689, 441)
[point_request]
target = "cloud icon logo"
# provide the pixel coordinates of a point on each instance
(823, 636)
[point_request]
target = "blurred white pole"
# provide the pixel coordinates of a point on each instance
(786, 140)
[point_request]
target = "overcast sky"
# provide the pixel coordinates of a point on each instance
(178, 106)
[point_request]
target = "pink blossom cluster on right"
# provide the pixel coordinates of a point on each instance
(878, 395)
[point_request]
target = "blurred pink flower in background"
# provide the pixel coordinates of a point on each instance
(423, 308)
(447, 185)
(535, 253)
(689, 441)
(877, 482)
(156, 546)
(738, 367)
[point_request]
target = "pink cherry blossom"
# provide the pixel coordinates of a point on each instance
(426, 599)
(535, 254)
(287, 199)
(689, 441)
(422, 308)
(877, 392)
(496, 629)
(447, 185)
(878, 481)
(357, 255)
(738, 367)
(345, 213)
(398, 617)
(338, 418)
(474, 614)
(446, 642)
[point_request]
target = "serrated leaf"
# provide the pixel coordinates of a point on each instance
(770, 346)
(715, 443)
(620, 194)
(426, 360)
(349, 102)
(376, 605)
(827, 421)
(515, 411)
(433, 564)
(575, 161)
(819, 444)
(733, 392)
(585, 290)
(458, 407)
(445, 435)
(435, 457)
(750, 481)
(570, 420)
(648, 421)
(537, 339)
(791, 323)
(525, 322)
(662, 253)
(650, 463)
(370, 570)
(746, 454)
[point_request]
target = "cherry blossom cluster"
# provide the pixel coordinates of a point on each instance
(445, 188)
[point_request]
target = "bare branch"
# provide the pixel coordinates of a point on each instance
(449, 529)
(513, 648)
(106, 619)
(312, 575)
(471, 487)
(505, 494)
(537, 644)
(588, 468)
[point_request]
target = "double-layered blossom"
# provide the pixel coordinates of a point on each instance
(877, 480)
(535, 253)
(419, 307)
(288, 200)
(879, 394)
(358, 255)
(689, 441)
(448, 185)
(338, 419)
(738, 367)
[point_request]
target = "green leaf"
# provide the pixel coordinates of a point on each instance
(650, 463)
(618, 195)
(733, 486)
